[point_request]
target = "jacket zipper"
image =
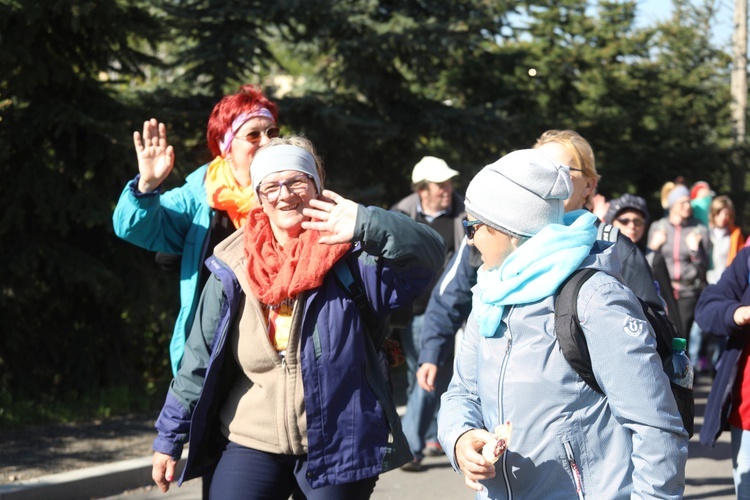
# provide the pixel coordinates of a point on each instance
(574, 469)
(506, 478)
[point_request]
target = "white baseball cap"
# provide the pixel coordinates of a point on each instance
(431, 169)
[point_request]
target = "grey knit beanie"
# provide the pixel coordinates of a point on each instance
(676, 193)
(520, 193)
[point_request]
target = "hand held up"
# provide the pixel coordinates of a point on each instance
(155, 156)
(334, 216)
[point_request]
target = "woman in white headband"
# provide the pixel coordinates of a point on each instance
(185, 223)
(281, 390)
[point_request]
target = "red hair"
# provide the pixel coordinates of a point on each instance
(249, 97)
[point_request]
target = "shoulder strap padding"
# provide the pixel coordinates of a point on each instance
(607, 232)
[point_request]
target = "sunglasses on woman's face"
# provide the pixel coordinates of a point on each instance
(470, 227)
(255, 135)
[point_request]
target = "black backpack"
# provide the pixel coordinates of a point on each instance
(573, 343)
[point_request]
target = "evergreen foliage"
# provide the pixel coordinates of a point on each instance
(375, 84)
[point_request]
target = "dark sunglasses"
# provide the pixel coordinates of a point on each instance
(255, 135)
(470, 227)
(636, 222)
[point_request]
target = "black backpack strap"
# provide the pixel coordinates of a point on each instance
(373, 325)
(568, 328)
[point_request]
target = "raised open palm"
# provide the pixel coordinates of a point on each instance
(155, 156)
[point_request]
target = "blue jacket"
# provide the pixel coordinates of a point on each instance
(175, 222)
(353, 430)
(714, 313)
(569, 441)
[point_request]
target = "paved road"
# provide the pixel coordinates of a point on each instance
(709, 474)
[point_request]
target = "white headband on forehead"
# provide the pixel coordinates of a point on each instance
(225, 143)
(282, 158)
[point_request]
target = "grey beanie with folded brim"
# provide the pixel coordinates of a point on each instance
(520, 193)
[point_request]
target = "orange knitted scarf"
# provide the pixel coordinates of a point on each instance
(277, 273)
(225, 194)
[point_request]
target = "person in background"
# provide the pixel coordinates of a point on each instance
(686, 246)
(599, 206)
(726, 242)
(435, 203)
(629, 214)
(281, 390)
(724, 309)
(451, 296)
(568, 440)
(664, 194)
(215, 200)
(700, 201)
(726, 237)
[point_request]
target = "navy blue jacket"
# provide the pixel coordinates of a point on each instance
(715, 313)
(353, 430)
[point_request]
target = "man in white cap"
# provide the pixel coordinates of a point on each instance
(434, 203)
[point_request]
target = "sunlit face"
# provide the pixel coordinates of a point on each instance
(436, 197)
(494, 246)
(723, 218)
(681, 208)
(285, 212)
(631, 223)
(243, 150)
(583, 186)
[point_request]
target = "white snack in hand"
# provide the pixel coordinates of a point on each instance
(492, 450)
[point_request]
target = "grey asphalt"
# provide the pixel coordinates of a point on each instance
(708, 473)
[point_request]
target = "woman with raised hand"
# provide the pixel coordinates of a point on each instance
(189, 220)
(280, 390)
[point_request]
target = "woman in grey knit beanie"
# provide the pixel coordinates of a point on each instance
(568, 440)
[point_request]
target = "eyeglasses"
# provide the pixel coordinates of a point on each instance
(254, 135)
(271, 191)
(470, 227)
(636, 221)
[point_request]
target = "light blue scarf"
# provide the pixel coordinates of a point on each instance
(534, 270)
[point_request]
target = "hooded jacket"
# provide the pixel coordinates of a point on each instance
(352, 429)
(569, 441)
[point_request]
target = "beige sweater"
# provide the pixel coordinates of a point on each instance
(265, 409)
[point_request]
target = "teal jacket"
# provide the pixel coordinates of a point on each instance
(175, 222)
